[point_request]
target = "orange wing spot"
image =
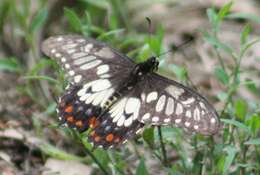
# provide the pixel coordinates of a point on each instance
(69, 109)
(70, 119)
(93, 122)
(97, 138)
(109, 137)
(79, 123)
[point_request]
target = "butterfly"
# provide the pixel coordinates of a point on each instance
(115, 98)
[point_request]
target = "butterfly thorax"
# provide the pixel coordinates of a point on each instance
(139, 72)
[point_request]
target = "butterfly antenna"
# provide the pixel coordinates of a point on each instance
(149, 29)
(176, 47)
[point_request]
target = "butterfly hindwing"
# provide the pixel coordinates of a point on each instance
(166, 102)
(119, 123)
(109, 134)
(75, 113)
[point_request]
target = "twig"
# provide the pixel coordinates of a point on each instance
(165, 160)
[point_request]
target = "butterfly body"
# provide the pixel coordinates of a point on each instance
(115, 97)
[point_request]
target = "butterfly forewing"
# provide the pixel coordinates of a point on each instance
(95, 71)
(86, 59)
(166, 102)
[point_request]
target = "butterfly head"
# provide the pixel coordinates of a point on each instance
(153, 63)
(146, 67)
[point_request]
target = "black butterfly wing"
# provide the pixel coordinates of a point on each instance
(95, 71)
(166, 102)
(111, 133)
(86, 59)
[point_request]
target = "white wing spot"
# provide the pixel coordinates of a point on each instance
(81, 40)
(121, 121)
(128, 121)
(196, 127)
(155, 119)
(197, 114)
(63, 59)
(100, 85)
(179, 109)
(84, 97)
(91, 98)
(138, 131)
(132, 105)
(78, 55)
(69, 46)
(88, 47)
(77, 78)
(84, 59)
(167, 120)
(71, 73)
(57, 55)
(67, 87)
(67, 66)
(170, 106)
(202, 105)
(151, 96)
(178, 121)
(187, 124)
(105, 53)
(118, 109)
(124, 141)
(188, 114)
(146, 116)
(109, 92)
(81, 92)
(212, 120)
(160, 103)
(60, 38)
(70, 51)
(143, 96)
(90, 65)
(188, 101)
(53, 50)
(102, 69)
(174, 91)
(99, 98)
(105, 76)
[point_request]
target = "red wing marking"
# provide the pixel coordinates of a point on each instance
(69, 109)
(110, 137)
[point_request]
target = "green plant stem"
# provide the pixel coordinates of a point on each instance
(154, 153)
(220, 60)
(111, 156)
(165, 160)
(257, 157)
(203, 168)
(96, 161)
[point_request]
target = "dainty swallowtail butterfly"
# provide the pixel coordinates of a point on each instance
(115, 97)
